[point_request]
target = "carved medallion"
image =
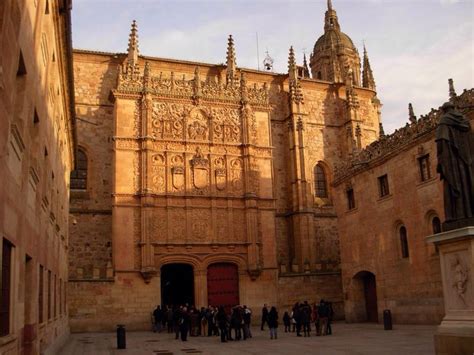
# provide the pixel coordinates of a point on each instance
(178, 177)
(200, 167)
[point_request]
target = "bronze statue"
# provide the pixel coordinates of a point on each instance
(455, 166)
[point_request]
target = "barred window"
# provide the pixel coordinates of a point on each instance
(79, 175)
(320, 182)
(383, 185)
(350, 199)
(40, 294)
(424, 164)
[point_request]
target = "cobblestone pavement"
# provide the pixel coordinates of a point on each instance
(346, 339)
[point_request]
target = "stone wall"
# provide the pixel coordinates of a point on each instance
(36, 156)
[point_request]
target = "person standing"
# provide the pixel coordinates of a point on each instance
(158, 317)
(330, 316)
(273, 322)
(306, 319)
(287, 322)
(222, 323)
(264, 315)
(323, 316)
(184, 324)
(247, 321)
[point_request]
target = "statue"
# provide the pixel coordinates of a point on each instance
(455, 166)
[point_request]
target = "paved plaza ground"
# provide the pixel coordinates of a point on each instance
(346, 339)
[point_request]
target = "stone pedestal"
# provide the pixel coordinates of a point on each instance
(455, 334)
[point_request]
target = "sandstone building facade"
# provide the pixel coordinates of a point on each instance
(389, 198)
(214, 174)
(37, 143)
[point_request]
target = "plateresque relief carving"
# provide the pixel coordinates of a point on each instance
(200, 168)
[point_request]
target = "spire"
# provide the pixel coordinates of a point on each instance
(330, 19)
(367, 75)
(292, 70)
(381, 131)
(133, 45)
(452, 92)
(411, 114)
(231, 61)
(305, 66)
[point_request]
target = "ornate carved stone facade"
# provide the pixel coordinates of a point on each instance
(216, 164)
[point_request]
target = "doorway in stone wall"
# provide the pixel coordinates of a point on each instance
(177, 284)
(365, 297)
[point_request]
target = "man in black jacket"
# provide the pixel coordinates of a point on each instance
(264, 315)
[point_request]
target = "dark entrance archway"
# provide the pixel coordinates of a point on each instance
(177, 284)
(365, 289)
(223, 285)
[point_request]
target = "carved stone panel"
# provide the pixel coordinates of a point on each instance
(200, 220)
(198, 128)
(458, 287)
(158, 225)
(237, 176)
(158, 173)
(168, 121)
(177, 228)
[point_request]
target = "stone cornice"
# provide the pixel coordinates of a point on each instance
(402, 139)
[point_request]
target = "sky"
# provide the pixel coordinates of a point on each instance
(414, 46)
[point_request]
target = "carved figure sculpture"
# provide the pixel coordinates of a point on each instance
(455, 160)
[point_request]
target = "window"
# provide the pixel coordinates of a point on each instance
(40, 295)
(49, 294)
(350, 199)
(55, 299)
(320, 182)
(424, 164)
(5, 288)
(383, 185)
(79, 175)
(436, 225)
(404, 242)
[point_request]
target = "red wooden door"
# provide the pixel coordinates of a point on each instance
(370, 290)
(223, 285)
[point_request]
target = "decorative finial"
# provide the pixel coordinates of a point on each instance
(231, 60)
(411, 114)
(132, 50)
(368, 80)
(381, 130)
(292, 69)
(329, 5)
(452, 92)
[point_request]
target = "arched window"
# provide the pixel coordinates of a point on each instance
(436, 225)
(79, 175)
(320, 182)
(404, 242)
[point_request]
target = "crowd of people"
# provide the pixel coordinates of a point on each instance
(236, 324)
(210, 321)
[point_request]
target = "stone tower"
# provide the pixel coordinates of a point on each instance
(334, 53)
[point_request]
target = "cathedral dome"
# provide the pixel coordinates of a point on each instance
(334, 55)
(333, 39)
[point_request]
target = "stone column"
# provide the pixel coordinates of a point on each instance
(200, 288)
(455, 334)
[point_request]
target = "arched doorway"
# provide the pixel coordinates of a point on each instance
(223, 285)
(365, 296)
(177, 284)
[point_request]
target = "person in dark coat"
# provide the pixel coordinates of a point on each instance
(297, 317)
(273, 322)
(222, 323)
(330, 316)
(158, 318)
(236, 323)
(287, 322)
(306, 319)
(264, 315)
(176, 320)
(323, 313)
(184, 324)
